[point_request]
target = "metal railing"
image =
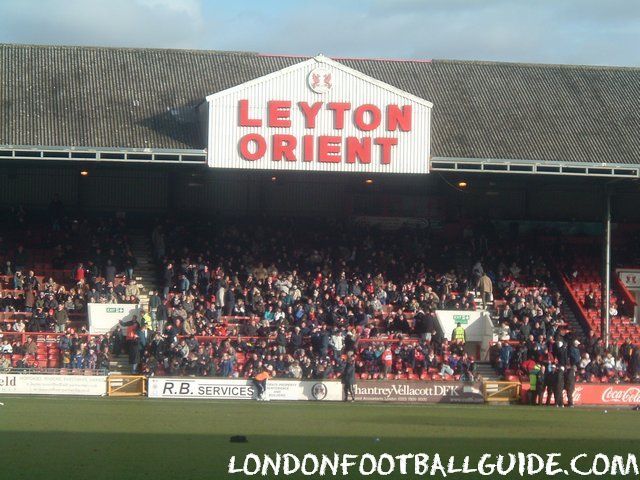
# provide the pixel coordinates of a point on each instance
(497, 391)
(54, 371)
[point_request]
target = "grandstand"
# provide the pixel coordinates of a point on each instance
(122, 183)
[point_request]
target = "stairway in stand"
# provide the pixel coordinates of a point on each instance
(574, 325)
(486, 371)
(120, 364)
(145, 273)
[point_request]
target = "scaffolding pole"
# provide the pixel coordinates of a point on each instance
(606, 270)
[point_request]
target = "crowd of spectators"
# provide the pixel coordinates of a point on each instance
(89, 261)
(75, 352)
(533, 332)
(592, 361)
(308, 296)
(302, 297)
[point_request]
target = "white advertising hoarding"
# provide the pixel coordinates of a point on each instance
(477, 324)
(103, 317)
(630, 278)
(474, 322)
(319, 115)
(237, 389)
(53, 384)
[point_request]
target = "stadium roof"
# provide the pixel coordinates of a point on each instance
(144, 98)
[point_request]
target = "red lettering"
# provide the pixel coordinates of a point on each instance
(310, 113)
(283, 146)
(359, 117)
(385, 146)
(329, 149)
(260, 146)
(243, 113)
(279, 113)
(339, 109)
(399, 119)
(358, 148)
(307, 148)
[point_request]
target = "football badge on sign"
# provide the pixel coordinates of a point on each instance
(319, 391)
(320, 80)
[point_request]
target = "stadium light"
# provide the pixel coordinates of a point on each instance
(84, 173)
(368, 181)
(462, 184)
(273, 179)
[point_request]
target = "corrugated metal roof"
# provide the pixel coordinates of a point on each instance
(137, 98)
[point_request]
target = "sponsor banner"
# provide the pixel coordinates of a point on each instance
(104, 317)
(419, 392)
(240, 389)
(53, 385)
(600, 394)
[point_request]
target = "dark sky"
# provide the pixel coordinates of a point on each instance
(596, 32)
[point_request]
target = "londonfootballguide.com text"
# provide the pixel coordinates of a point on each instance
(423, 464)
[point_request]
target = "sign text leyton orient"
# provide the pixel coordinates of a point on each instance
(323, 148)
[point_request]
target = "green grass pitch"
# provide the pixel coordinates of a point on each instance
(107, 438)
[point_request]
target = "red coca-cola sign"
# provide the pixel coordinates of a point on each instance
(628, 395)
(601, 394)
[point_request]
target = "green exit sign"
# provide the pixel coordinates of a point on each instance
(462, 319)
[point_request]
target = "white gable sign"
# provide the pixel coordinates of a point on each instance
(319, 115)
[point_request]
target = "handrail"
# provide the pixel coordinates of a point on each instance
(204, 338)
(55, 371)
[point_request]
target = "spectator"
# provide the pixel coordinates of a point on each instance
(61, 318)
(485, 286)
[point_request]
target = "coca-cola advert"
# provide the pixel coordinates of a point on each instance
(425, 392)
(604, 394)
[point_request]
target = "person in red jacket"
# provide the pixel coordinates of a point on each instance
(78, 275)
(387, 361)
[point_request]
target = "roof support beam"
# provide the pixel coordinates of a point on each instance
(97, 154)
(489, 165)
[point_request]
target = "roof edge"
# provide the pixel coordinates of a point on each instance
(536, 65)
(337, 58)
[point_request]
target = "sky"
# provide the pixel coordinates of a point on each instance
(592, 32)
